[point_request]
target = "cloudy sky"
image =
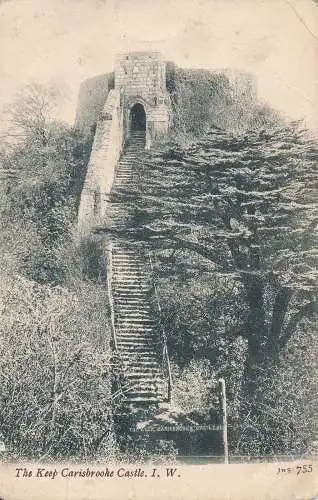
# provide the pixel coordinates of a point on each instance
(66, 41)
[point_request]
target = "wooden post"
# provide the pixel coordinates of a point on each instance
(224, 419)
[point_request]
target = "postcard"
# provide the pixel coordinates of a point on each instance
(158, 272)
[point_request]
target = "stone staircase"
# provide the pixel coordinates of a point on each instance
(138, 337)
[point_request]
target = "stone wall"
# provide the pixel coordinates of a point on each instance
(105, 154)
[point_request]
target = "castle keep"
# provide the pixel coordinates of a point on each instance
(140, 79)
(132, 101)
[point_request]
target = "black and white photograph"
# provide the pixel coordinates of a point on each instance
(158, 263)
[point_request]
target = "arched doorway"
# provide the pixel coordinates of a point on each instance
(137, 118)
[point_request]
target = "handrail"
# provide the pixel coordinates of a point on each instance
(109, 291)
(165, 347)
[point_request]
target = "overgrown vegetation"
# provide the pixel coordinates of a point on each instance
(201, 99)
(56, 374)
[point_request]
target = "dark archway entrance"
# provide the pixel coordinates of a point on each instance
(138, 118)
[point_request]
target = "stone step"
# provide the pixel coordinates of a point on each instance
(141, 374)
(120, 317)
(138, 284)
(129, 273)
(141, 365)
(142, 401)
(131, 250)
(127, 266)
(121, 320)
(132, 341)
(140, 330)
(142, 396)
(146, 339)
(133, 254)
(135, 281)
(145, 389)
(126, 276)
(131, 287)
(143, 362)
(157, 377)
(150, 340)
(132, 304)
(140, 385)
(140, 295)
(132, 314)
(132, 290)
(129, 305)
(138, 377)
(135, 349)
(147, 343)
(124, 262)
(134, 320)
(132, 300)
(136, 333)
(139, 358)
(132, 278)
(130, 259)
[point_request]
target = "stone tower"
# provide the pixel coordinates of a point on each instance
(140, 78)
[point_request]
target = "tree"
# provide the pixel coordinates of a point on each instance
(32, 115)
(245, 204)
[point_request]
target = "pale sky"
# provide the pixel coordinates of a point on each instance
(67, 41)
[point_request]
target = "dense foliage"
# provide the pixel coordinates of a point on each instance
(200, 99)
